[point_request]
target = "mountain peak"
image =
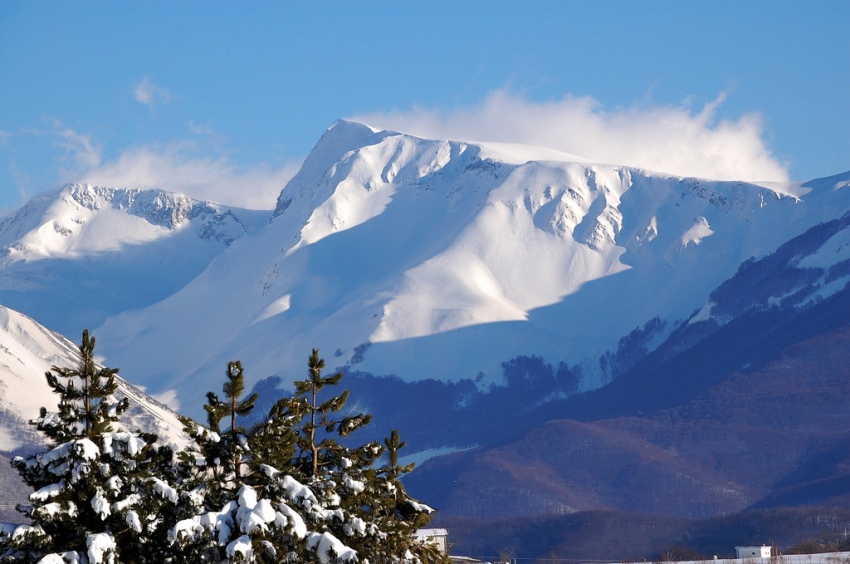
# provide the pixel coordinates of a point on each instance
(143, 245)
(158, 207)
(338, 140)
(82, 217)
(350, 128)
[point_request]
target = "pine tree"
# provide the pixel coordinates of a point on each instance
(233, 440)
(304, 496)
(323, 452)
(87, 406)
(215, 463)
(247, 510)
(399, 515)
(98, 492)
(381, 518)
(273, 440)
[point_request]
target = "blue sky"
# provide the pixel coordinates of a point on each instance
(224, 99)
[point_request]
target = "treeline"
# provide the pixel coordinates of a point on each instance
(634, 537)
(284, 490)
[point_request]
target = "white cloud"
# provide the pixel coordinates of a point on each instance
(177, 168)
(168, 397)
(199, 168)
(84, 151)
(149, 94)
(667, 139)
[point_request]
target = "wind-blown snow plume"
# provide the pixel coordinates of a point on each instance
(671, 139)
(180, 168)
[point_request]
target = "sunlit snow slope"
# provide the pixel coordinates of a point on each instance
(437, 259)
(27, 351)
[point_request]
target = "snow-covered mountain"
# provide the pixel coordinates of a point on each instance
(27, 351)
(426, 259)
(709, 318)
(72, 257)
(493, 280)
(442, 260)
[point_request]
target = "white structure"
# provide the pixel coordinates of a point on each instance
(437, 537)
(752, 551)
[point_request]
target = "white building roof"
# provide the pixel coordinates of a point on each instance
(432, 532)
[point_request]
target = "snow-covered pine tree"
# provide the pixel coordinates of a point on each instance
(211, 472)
(215, 461)
(378, 518)
(261, 514)
(87, 406)
(302, 496)
(100, 495)
(337, 474)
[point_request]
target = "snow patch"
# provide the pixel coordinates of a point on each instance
(330, 549)
(48, 491)
(241, 546)
(835, 249)
(164, 490)
(62, 558)
(424, 455)
(132, 519)
(101, 548)
(703, 314)
(277, 307)
(287, 518)
(101, 505)
(697, 233)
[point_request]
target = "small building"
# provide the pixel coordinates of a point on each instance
(437, 537)
(752, 551)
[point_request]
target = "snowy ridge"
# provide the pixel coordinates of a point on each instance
(82, 219)
(73, 257)
(386, 247)
(27, 351)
